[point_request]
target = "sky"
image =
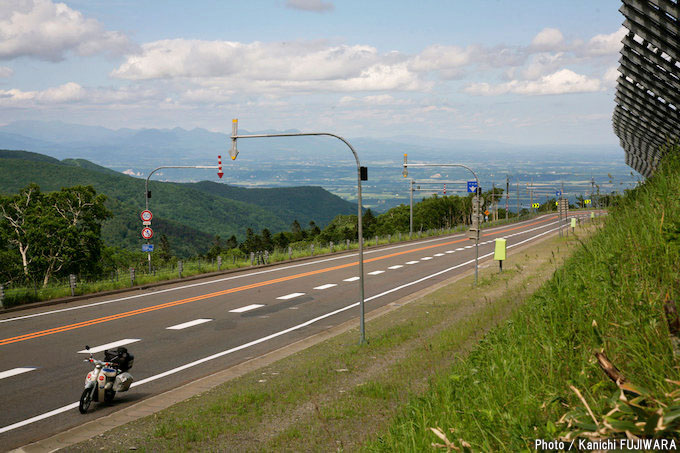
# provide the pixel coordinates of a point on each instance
(521, 72)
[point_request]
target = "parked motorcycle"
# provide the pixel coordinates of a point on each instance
(107, 377)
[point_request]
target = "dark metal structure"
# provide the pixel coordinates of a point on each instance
(647, 114)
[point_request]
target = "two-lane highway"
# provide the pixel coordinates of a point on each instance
(184, 331)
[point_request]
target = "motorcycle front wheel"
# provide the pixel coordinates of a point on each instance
(85, 400)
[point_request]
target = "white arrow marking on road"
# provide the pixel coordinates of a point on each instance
(290, 296)
(326, 286)
(195, 322)
(115, 344)
(246, 308)
(15, 371)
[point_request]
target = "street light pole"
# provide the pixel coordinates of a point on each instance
(146, 191)
(410, 218)
(361, 171)
(405, 173)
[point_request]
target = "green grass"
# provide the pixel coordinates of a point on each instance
(515, 385)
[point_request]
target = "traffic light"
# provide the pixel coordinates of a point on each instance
(405, 172)
(233, 152)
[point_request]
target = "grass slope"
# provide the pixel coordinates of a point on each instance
(515, 385)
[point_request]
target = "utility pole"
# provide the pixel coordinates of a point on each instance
(507, 196)
(410, 218)
(518, 214)
(531, 194)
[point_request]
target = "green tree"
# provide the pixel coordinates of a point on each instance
(164, 250)
(216, 248)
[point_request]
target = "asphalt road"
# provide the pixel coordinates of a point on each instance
(184, 331)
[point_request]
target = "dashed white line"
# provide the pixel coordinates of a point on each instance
(15, 371)
(115, 344)
(351, 279)
(246, 308)
(438, 254)
(450, 251)
(426, 258)
(469, 246)
(459, 249)
(290, 296)
(326, 286)
(398, 266)
(184, 325)
(412, 262)
(376, 272)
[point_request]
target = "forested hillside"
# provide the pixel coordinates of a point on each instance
(188, 214)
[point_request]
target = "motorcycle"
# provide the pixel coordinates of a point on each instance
(107, 377)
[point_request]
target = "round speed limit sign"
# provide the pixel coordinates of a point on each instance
(146, 215)
(147, 233)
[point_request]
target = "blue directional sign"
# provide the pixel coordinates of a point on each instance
(472, 186)
(558, 194)
(147, 247)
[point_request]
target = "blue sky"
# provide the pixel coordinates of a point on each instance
(522, 72)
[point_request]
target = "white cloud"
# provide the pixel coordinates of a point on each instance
(606, 44)
(6, 72)
(73, 93)
(548, 39)
(561, 82)
(611, 76)
(47, 30)
(310, 5)
(295, 66)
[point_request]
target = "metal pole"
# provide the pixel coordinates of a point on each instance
(360, 229)
(410, 218)
(477, 180)
(518, 199)
(507, 196)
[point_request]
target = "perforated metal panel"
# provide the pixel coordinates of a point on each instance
(647, 114)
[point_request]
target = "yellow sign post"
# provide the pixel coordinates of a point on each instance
(499, 252)
(573, 223)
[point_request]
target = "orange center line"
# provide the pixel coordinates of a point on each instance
(176, 303)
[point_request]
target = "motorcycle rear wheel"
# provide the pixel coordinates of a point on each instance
(85, 400)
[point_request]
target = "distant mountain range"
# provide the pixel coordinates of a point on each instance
(190, 214)
(147, 148)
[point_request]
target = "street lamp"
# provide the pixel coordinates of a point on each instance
(405, 174)
(362, 175)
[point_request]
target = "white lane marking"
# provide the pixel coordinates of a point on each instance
(15, 371)
(459, 249)
(115, 344)
(351, 279)
(412, 262)
(397, 266)
(426, 258)
(71, 406)
(438, 254)
(326, 286)
(246, 308)
(184, 325)
(376, 272)
(469, 246)
(450, 251)
(290, 296)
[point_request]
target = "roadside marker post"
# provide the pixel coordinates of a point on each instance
(2, 296)
(573, 224)
(500, 252)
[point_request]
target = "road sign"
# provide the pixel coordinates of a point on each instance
(586, 201)
(147, 233)
(558, 194)
(146, 216)
(146, 223)
(147, 247)
(472, 186)
(486, 212)
(220, 173)
(536, 205)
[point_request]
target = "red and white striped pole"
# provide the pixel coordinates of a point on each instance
(219, 163)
